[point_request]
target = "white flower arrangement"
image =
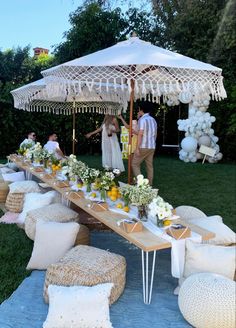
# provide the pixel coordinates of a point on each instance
(159, 210)
(106, 180)
(139, 194)
(71, 167)
(89, 175)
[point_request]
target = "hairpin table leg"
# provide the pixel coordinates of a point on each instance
(147, 289)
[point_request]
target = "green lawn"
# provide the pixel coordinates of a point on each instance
(210, 187)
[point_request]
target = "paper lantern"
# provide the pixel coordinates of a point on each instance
(189, 144)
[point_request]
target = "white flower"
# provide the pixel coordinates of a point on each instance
(116, 171)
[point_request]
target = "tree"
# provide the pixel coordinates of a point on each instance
(205, 30)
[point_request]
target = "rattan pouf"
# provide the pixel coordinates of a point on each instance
(82, 236)
(14, 202)
(207, 300)
(88, 266)
(4, 190)
(53, 212)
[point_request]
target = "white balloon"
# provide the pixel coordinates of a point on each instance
(189, 144)
(207, 114)
(199, 156)
(213, 119)
(185, 97)
(206, 102)
(191, 111)
(199, 113)
(211, 131)
(186, 160)
(204, 140)
(219, 156)
(216, 139)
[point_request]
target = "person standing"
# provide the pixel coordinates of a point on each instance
(146, 144)
(52, 146)
(29, 141)
(111, 152)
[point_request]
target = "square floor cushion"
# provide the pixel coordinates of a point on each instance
(52, 241)
(79, 307)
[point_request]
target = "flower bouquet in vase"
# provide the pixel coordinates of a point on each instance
(160, 211)
(106, 181)
(139, 195)
(89, 176)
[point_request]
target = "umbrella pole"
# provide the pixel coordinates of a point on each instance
(130, 131)
(73, 135)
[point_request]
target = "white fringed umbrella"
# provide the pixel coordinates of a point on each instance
(36, 97)
(146, 70)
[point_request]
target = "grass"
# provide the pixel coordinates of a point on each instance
(210, 187)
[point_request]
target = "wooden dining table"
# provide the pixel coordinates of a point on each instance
(146, 241)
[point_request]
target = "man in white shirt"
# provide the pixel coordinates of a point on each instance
(53, 147)
(146, 145)
(30, 140)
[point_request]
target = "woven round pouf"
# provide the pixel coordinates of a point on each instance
(189, 212)
(14, 202)
(207, 300)
(4, 190)
(88, 266)
(53, 212)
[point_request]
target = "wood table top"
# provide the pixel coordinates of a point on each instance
(144, 240)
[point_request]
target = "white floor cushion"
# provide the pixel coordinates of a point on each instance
(209, 258)
(223, 234)
(35, 200)
(79, 307)
(24, 186)
(52, 241)
(17, 176)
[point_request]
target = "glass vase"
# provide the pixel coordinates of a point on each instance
(103, 194)
(142, 213)
(88, 187)
(159, 222)
(45, 163)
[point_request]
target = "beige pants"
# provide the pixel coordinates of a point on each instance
(147, 156)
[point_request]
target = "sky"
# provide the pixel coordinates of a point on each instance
(38, 23)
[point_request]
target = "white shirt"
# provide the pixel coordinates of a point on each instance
(51, 147)
(27, 142)
(149, 127)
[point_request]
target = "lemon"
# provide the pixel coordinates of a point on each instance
(79, 185)
(119, 205)
(166, 223)
(113, 198)
(93, 194)
(109, 193)
(126, 208)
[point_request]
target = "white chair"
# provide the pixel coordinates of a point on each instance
(189, 212)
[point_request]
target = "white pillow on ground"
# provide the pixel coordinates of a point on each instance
(79, 307)
(52, 241)
(5, 170)
(35, 200)
(209, 258)
(17, 176)
(24, 186)
(223, 234)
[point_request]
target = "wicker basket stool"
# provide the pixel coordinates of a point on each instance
(88, 266)
(4, 190)
(53, 212)
(14, 202)
(208, 300)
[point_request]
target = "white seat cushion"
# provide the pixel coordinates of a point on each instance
(52, 241)
(79, 307)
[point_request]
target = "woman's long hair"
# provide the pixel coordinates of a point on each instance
(108, 119)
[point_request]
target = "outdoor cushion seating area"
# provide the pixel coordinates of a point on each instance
(70, 265)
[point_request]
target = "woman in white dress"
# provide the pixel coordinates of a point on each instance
(111, 152)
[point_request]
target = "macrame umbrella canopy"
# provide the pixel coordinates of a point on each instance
(36, 97)
(146, 70)
(141, 66)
